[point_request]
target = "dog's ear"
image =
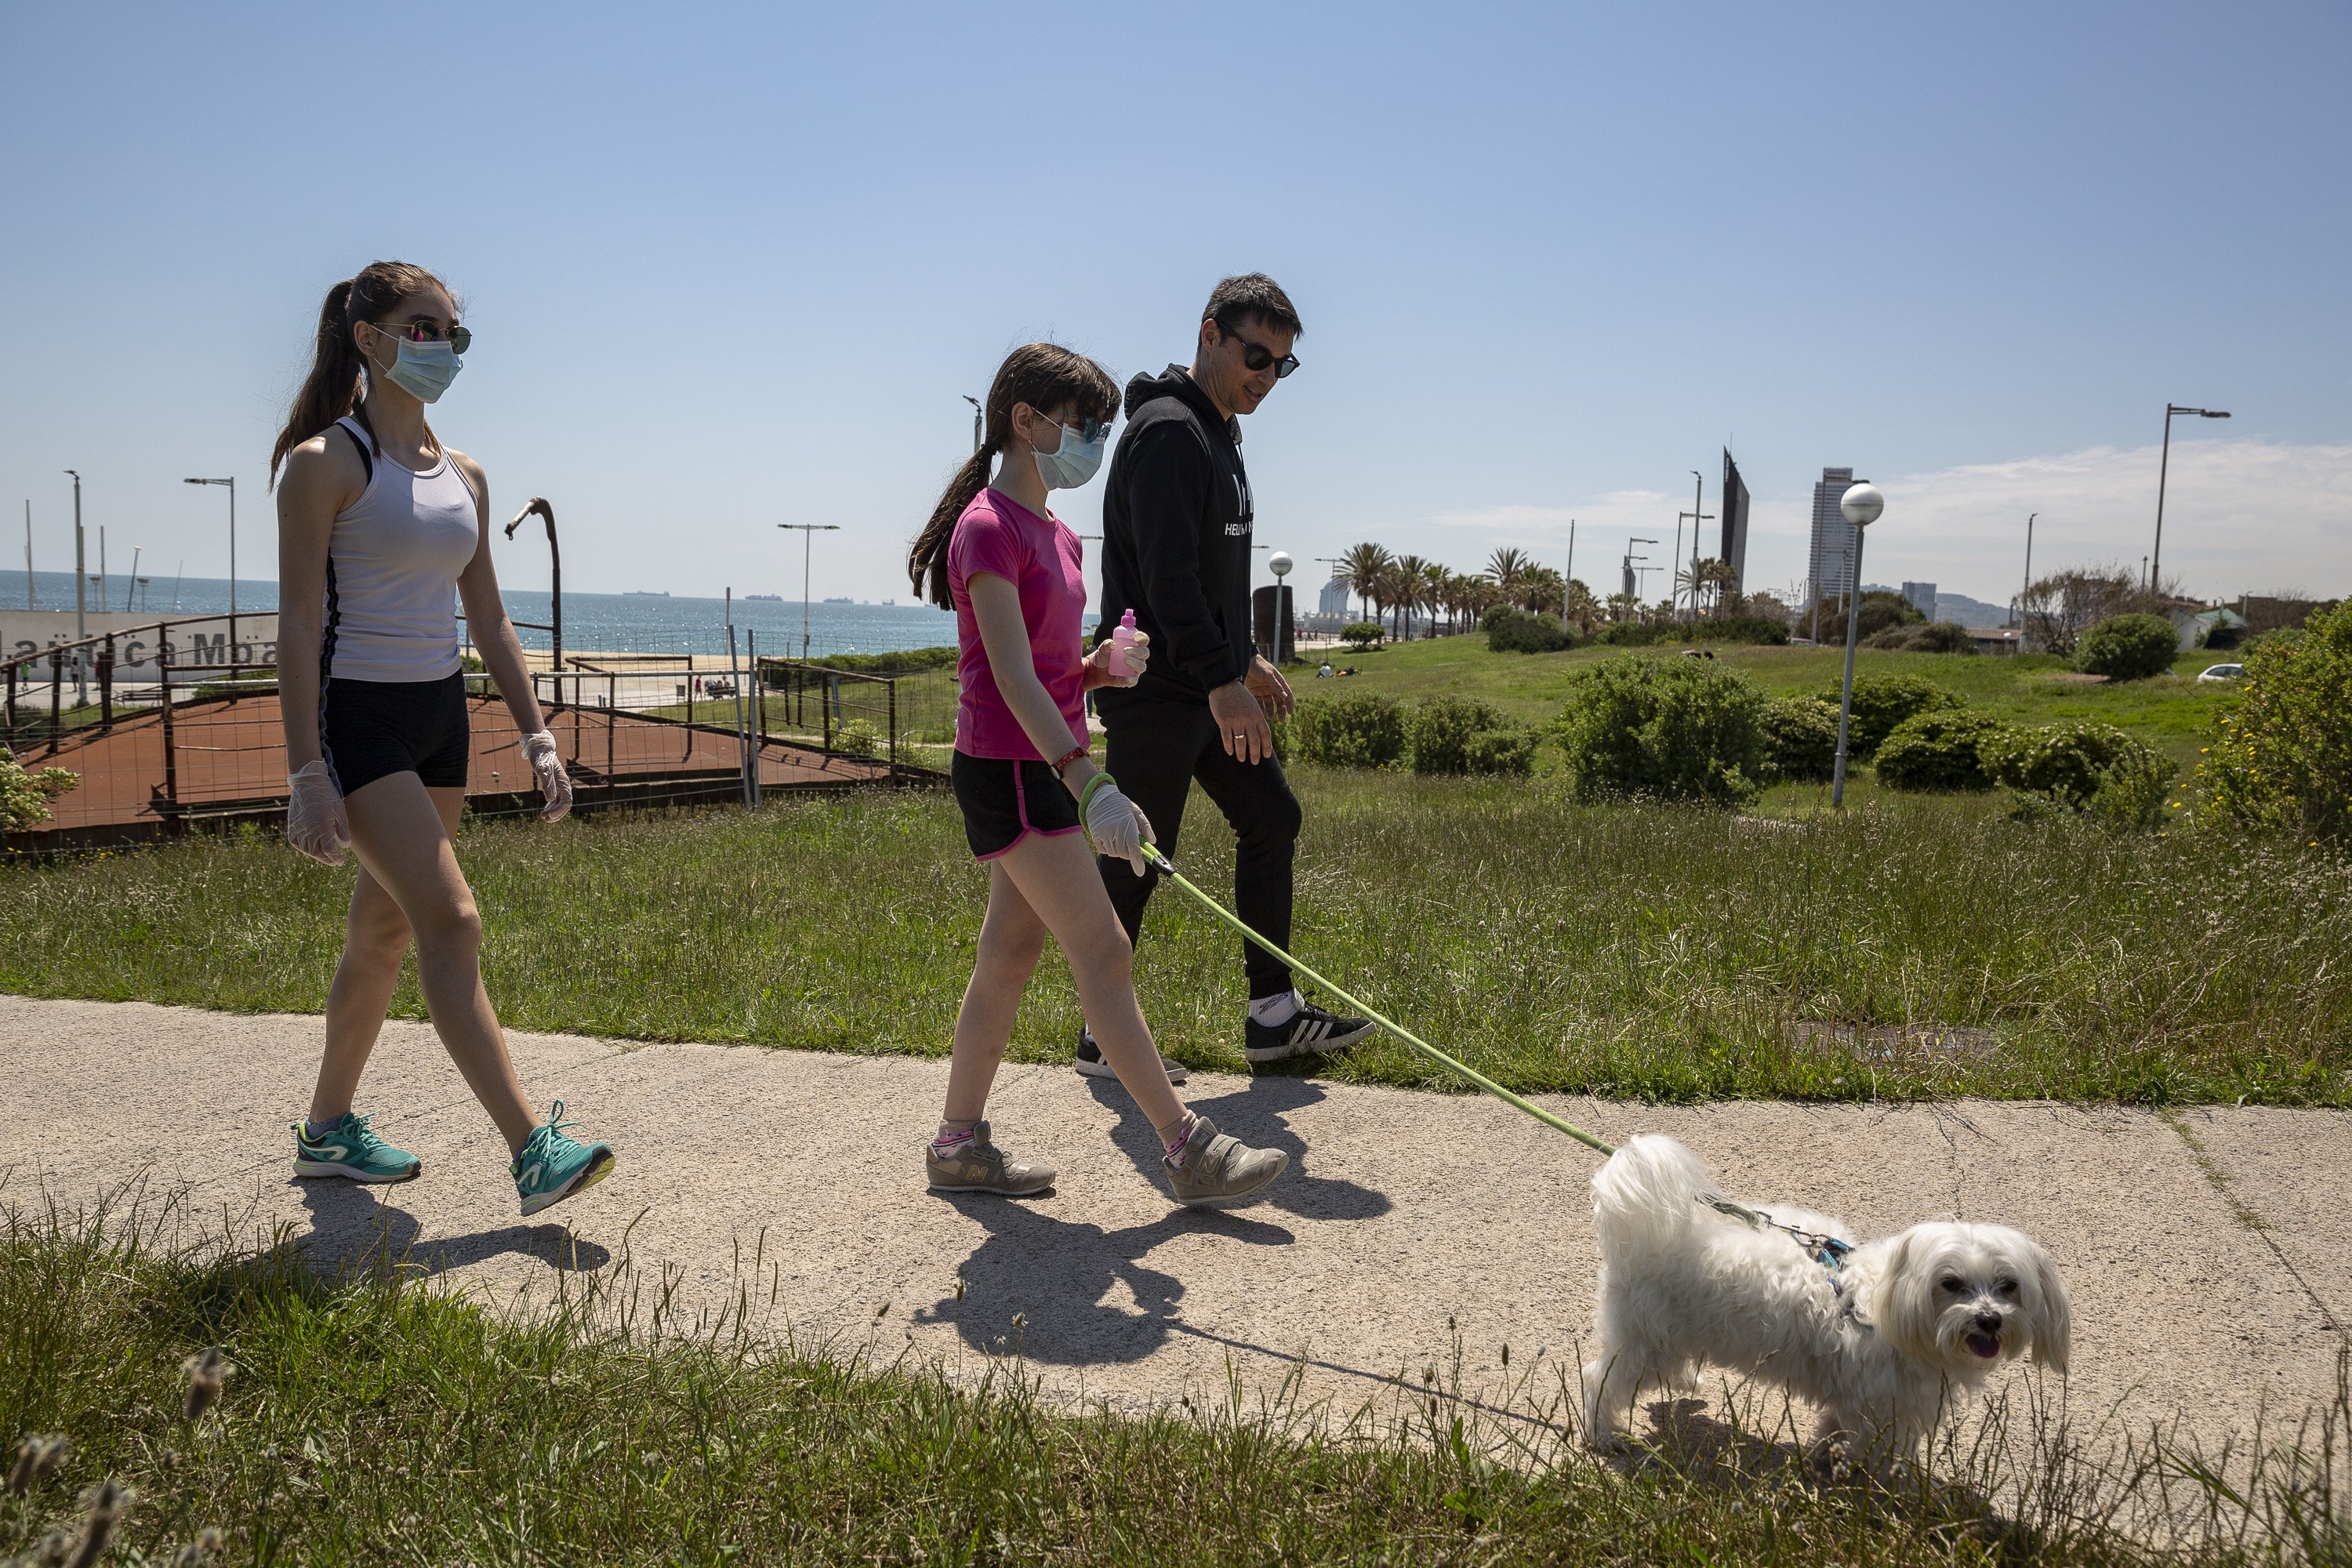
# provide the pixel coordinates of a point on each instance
(1905, 1310)
(2047, 1310)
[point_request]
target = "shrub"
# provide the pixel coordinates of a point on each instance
(2128, 648)
(1463, 735)
(24, 795)
(2281, 755)
(898, 661)
(1939, 636)
(1883, 701)
(1800, 739)
(1878, 612)
(1362, 731)
(1626, 633)
(1755, 629)
(1362, 635)
(1510, 629)
(1938, 750)
(1674, 729)
(2087, 768)
(1506, 749)
(856, 739)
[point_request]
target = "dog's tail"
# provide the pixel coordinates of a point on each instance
(1647, 1196)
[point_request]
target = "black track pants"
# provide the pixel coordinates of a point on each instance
(1155, 750)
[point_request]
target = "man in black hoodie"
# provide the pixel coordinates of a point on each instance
(1176, 550)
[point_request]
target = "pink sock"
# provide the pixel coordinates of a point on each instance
(1183, 1135)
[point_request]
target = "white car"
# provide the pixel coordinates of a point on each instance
(2223, 672)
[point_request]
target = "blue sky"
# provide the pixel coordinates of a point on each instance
(736, 266)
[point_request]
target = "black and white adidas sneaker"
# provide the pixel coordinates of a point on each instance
(1089, 1061)
(1309, 1032)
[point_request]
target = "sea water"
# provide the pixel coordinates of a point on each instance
(598, 622)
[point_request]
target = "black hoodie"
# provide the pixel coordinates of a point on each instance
(1176, 540)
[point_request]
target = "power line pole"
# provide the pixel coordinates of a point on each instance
(81, 595)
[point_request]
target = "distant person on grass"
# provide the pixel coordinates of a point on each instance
(1177, 519)
(993, 554)
(378, 523)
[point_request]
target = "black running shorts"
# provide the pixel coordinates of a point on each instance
(373, 729)
(1004, 801)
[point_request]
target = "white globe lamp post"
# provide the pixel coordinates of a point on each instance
(1280, 564)
(1861, 504)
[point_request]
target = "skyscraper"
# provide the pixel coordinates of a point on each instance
(1735, 528)
(1829, 566)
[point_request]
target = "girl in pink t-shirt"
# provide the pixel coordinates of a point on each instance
(1036, 810)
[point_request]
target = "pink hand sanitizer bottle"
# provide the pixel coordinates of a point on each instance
(1120, 641)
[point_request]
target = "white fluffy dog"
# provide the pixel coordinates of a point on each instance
(1879, 1341)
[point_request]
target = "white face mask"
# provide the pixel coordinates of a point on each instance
(1074, 460)
(423, 371)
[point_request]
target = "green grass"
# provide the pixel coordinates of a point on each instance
(2171, 712)
(1625, 951)
(372, 1421)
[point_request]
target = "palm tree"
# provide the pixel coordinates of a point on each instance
(1435, 577)
(1508, 567)
(1361, 567)
(1405, 574)
(1545, 590)
(1582, 607)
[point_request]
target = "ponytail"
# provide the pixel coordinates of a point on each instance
(928, 555)
(333, 388)
(1045, 376)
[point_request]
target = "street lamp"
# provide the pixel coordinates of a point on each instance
(556, 579)
(81, 593)
(231, 483)
(1861, 504)
(2164, 464)
(967, 397)
(2027, 586)
(807, 544)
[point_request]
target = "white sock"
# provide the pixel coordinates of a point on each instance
(1275, 1011)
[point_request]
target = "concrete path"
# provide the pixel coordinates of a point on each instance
(2209, 1256)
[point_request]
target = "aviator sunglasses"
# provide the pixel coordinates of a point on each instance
(1257, 356)
(459, 338)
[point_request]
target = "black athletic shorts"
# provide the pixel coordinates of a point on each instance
(376, 728)
(1004, 801)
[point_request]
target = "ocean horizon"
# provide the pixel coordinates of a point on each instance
(593, 623)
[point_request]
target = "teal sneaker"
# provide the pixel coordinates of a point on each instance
(351, 1151)
(553, 1166)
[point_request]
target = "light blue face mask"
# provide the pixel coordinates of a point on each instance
(423, 371)
(1074, 462)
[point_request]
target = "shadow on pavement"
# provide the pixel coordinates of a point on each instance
(1257, 1115)
(1058, 1277)
(349, 1226)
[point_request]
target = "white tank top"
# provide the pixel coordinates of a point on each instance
(392, 569)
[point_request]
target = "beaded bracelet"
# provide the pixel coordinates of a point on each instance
(1072, 755)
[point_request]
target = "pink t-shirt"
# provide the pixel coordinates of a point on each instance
(1040, 558)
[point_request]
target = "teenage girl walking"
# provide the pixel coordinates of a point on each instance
(1033, 801)
(377, 523)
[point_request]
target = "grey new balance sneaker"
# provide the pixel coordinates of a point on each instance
(1219, 1171)
(980, 1166)
(1089, 1060)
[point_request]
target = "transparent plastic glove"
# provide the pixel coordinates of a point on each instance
(1116, 825)
(315, 823)
(554, 783)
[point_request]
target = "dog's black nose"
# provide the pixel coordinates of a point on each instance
(1989, 1321)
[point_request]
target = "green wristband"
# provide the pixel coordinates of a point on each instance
(1086, 795)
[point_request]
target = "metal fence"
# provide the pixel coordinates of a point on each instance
(190, 747)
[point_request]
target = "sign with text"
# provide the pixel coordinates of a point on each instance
(194, 643)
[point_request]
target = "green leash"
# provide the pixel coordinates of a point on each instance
(1828, 1249)
(1168, 868)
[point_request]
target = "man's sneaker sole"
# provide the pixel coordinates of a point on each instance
(1247, 1195)
(598, 1169)
(312, 1168)
(1289, 1050)
(1096, 1067)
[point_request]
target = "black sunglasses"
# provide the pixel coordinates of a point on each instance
(461, 339)
(1257, 356)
